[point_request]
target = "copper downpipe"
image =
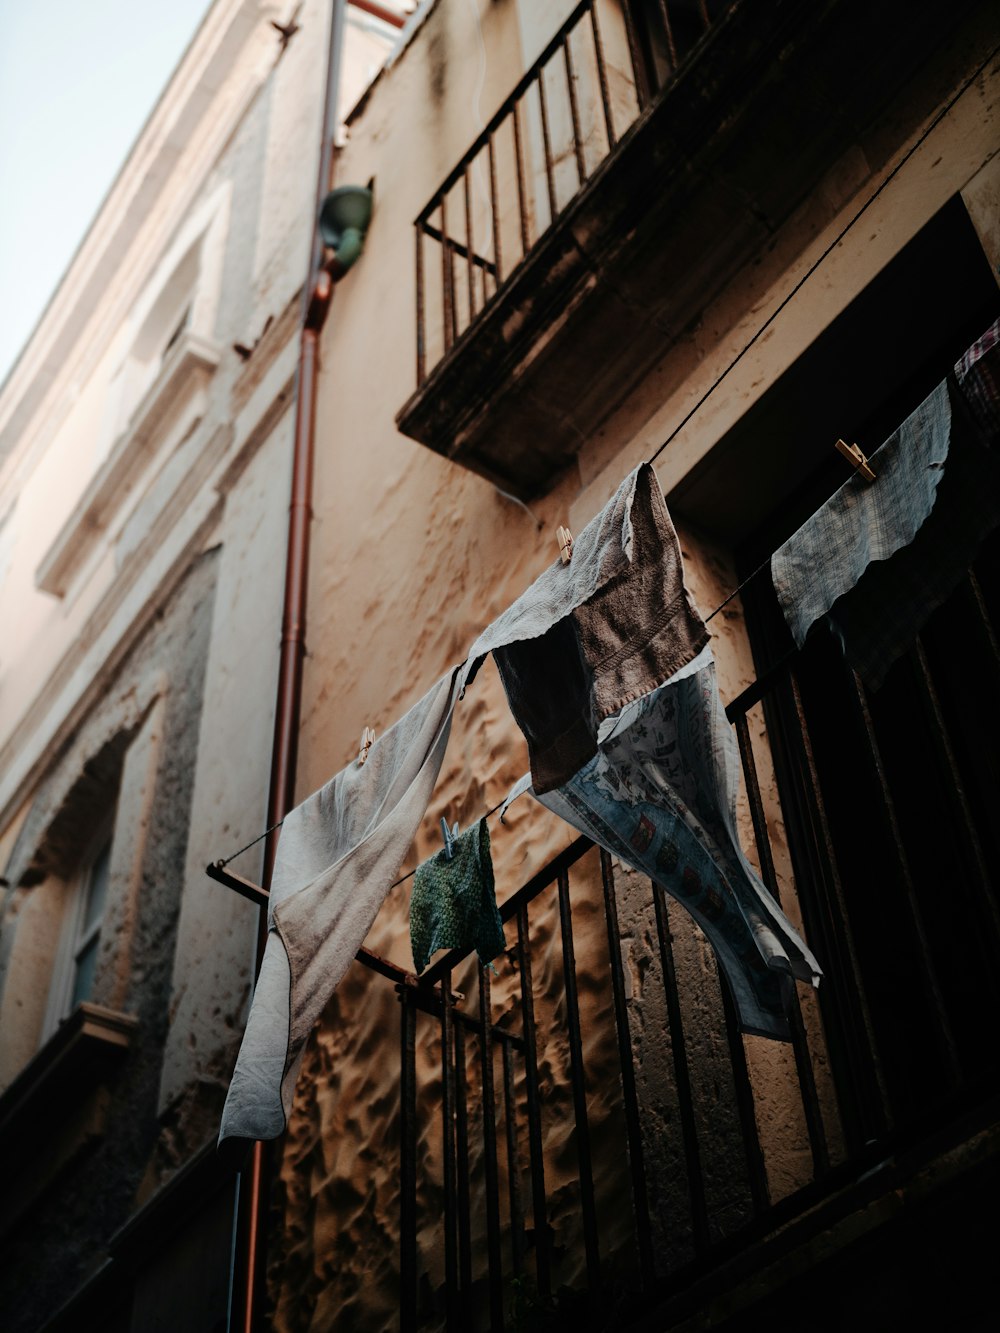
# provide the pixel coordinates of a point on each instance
(248, 1296)
(382, 12)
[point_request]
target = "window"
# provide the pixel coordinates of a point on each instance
(161, 329)
(76, 963)
(90, 916)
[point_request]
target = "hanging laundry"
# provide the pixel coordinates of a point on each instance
(864, 521)
(341, 849)
(880, 618)
(660, 794)
(878, 558)
(339, 852)
(977, 373)
(453, 904)
(619, 633)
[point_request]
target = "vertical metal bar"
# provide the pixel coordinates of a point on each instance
(447, 272)
(807, 1086)
(635, 55)
(929, 977)
(574, 111)
(470, 268)
(547, 145)
(985, 901)
(513, 1160)
(519, 163)
(630, 1101)
(602, 77)
(756, 1170)
(490, 1154)
(587, 1205)
(448, 1156)
(462, 1153)
(669, 31)
(453, 292)
(494, 204)
(800, 1046)
(847, 1018)
(682, 1075)
(407, 1165)
(974, 595)
(535, 1150)
(421, 330)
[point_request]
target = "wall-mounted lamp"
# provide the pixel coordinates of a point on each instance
(343, 221)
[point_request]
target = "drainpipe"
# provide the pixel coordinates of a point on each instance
(249, 1288)
(382, 12)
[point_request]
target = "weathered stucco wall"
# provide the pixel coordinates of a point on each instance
(411, 556)
(53, 1246)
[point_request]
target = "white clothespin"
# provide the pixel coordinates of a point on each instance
(565, 539)
(367, 741)
(857, 459)
(449, 836)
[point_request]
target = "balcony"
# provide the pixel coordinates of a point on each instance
(587, 1141)
(651, 151)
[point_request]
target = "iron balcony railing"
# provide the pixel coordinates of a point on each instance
(523, 1217)
(606, 64)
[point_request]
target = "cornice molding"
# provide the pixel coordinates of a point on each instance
(190, 125)
(179, 392)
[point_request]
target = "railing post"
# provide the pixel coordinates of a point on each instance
(682, 1074)
(800, 1046)
(464, 1202)
(490, 1154)
(448, 1156)
(407, 1165)
(577, 1076)
(633, 1129)
(535, 1148)
(602, 77)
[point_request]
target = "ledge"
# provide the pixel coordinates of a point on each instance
(81, 1054)
(58, 1106)
(697, 188)
(176, 396)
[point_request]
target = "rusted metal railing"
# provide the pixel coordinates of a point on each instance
(604, 66)
(857, 1095)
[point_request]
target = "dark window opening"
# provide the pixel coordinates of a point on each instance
(889, 794)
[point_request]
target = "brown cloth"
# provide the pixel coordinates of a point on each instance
(635, 631)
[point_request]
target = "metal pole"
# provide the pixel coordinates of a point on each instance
(249, 1293)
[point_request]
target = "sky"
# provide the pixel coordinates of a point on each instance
(78, 78)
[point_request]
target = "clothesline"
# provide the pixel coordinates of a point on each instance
(224, 861)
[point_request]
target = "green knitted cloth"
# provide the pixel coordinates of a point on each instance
(454, 904)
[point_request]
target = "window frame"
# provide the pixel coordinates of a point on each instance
(77, 935)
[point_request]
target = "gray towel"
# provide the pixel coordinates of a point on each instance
(878, 620)
(634, 630)
(339, 852)
(864, 521)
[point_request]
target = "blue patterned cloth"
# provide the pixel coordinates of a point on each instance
(660, 794)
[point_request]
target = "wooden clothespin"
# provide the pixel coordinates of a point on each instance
(565, 539)
(367, 741)
(855, 457)
(449, 835)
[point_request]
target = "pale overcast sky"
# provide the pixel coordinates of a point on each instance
(78, 79)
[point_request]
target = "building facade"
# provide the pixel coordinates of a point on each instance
(144, 478)
(717, 236)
